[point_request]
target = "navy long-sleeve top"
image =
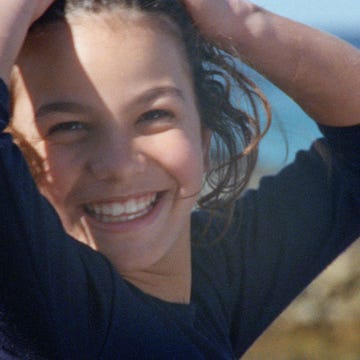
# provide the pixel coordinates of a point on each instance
(60, 299)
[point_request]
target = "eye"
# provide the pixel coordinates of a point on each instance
(68, 126)
(154, 115)
(67, 132)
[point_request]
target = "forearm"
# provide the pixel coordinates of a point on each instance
(16, 16)
(319, 71)
(15, 19)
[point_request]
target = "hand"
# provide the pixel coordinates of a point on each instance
(220, 20)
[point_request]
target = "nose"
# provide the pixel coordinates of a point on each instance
(115, 157)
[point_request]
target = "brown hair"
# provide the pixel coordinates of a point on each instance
(235, 124)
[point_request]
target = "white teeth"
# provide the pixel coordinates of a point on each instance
(121, 211)
(131, 207)
(119, 208)
(107, 210)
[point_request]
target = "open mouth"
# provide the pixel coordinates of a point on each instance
(121, 211)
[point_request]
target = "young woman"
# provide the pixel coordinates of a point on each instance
(121, 109)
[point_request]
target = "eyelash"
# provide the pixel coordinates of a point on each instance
(154, 115)
(66, 126)
(72, 126)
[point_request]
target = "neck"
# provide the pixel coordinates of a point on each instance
(169, 279)
(171, 288)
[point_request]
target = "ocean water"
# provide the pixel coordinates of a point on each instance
(292, 130)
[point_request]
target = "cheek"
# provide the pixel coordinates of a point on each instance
(60, 174)
(181, 156)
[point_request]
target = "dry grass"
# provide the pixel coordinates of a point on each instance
(316, 342)
(321, 324)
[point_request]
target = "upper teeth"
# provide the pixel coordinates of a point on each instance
(128, 207)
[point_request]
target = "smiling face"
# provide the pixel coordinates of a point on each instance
(112, 114)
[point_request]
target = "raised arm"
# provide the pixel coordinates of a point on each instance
(15, 18)
(319, 71)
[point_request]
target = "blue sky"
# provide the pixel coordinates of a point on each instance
(331, 15)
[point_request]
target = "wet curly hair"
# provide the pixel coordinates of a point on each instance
(229, 103)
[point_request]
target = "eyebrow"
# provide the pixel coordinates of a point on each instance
(72, 107)
(62, 107)
(154, 93)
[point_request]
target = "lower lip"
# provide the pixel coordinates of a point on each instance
(129, 225)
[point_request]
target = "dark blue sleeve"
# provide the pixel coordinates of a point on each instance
(45, 276)
(291, 228)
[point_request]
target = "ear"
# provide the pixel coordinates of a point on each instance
(206, 143)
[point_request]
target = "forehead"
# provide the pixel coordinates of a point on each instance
(54, 38)
(99, 47)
